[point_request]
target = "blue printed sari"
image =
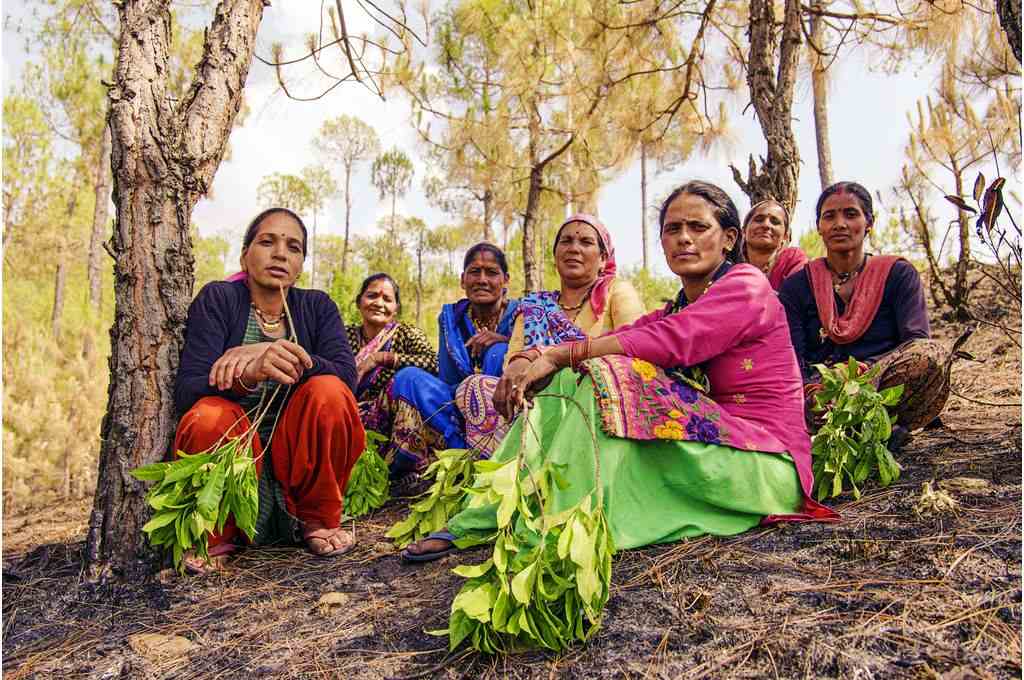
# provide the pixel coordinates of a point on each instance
(426, 418)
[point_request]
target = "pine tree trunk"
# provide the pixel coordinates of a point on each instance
(61, 275)
(771, 81)
(312, 255)
(532, 275)
(100, 215)
(488, 214)
(819, 86)
(164, 156)
(59, 281)
(1010, 19)
(643, 200)
(419, 281)
(348, 215)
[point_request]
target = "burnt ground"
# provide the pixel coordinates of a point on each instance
(894, 591)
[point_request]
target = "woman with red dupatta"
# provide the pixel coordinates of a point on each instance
(238, 355)
(870, 307)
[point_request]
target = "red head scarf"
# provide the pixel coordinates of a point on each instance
(600, 291)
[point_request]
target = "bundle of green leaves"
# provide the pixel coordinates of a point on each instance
(194, 495)
(369, 486)
(548, 577)
(452, 473)
(851, 444)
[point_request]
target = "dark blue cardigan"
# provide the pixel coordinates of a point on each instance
(216, 322)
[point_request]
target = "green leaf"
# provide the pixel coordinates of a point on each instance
(150, 473)
(522, 584)
(475, 601)
(473, 570)
(160, 520)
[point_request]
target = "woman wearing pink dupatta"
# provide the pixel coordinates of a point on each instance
(697, 409)
(869, 307)
(766, 231)
(590, 302)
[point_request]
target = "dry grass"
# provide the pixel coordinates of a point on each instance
(885, 594)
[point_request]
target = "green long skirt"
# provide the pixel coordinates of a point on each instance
(655, 491)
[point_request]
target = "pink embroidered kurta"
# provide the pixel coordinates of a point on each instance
(738, 332)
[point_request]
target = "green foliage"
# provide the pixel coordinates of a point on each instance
(851, 443)
(281, 190)
(368, 486)
(452, 473)
(548, 577)
(194, 495)
(392, 173)
(654, 290)
(811, 243)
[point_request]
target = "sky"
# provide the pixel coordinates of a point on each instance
(868, 119)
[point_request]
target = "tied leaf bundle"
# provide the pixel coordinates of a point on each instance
(549, 575)
(194, 495)
(369, 486)
(851, 443)
(547, 580)
(452, 473)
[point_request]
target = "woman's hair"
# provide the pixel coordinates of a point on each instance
(722, 206)
(254, 226)
(862, 195)
(485, 247)
(753, 209)
(380, 276)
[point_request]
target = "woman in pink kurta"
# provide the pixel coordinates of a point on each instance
(697, 408)
(766, 234)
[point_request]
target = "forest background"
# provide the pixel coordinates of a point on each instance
(919, 99)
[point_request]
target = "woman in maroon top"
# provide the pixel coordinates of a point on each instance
(766, 234)
(869, 307)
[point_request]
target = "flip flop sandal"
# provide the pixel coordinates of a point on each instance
(325, 535)
(431, 556)
(222, 550)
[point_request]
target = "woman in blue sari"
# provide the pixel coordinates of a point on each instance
(473, 339)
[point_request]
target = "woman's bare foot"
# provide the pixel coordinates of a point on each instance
(324, 542)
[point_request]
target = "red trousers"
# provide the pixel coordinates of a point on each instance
(316, 443)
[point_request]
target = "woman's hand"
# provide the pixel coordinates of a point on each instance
(282, 361)
(479, 343)
(513, 374)
(232, 364)
(373, 361)
(536, 375)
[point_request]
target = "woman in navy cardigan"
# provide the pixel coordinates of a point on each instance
(237, 352)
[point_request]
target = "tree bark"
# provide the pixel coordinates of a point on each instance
(488, 202)
(348, 214)
(771, 84)
(164, 157)
(100, 215)
(819, 87)
(1010, 19)
(61, 275)
(533, 276)
(59, 281)
(419, 280)
(643, 200)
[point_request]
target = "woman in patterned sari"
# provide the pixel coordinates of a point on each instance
(590, 302)
(676, 461)
(383, 346)
(473, 339)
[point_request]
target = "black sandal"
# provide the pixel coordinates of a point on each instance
(437, 554)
